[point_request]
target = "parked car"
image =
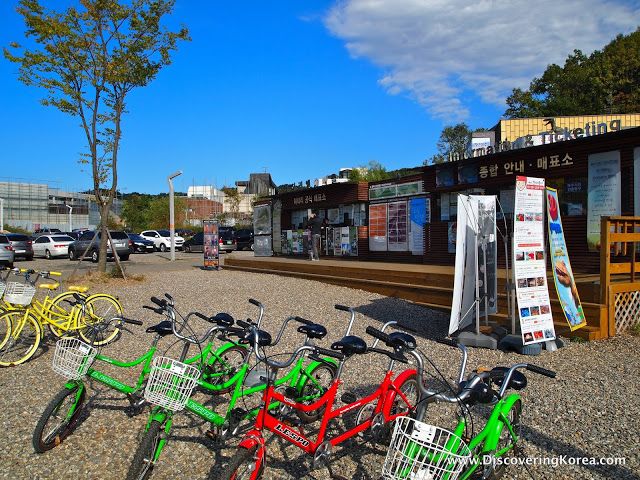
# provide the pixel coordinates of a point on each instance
(140, 244)
(120, 239)
(162, 239)
(226, 241)
(184, 232)
(22, 245)
(49, 246)
(47, 231)
(75, 234)
(194, 244)
(244, 238)
(6, 252)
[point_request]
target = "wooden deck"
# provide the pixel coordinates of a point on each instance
(430, 285)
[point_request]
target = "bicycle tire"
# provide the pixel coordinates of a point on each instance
(23, 341)
(60, 305)
(100, 308)
(409, 388)
(242, 465)
(5, 328)
(142, 464)
(224, 366)
(324, 374)
(497, 469)
(65, 416)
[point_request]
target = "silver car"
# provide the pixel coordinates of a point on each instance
(49, 246)
(22, 245)
(6, 252)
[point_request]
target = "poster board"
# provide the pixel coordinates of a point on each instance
(418, 215)
(210, 244)
(529, 266)
(378, 227)
(603, 194)
(398, 227)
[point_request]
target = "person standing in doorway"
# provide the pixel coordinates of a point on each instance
(315, 224)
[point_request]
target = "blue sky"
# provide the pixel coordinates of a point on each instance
(300, 89)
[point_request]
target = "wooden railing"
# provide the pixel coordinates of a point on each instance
(620, 272)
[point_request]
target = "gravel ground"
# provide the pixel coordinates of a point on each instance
(583, 415)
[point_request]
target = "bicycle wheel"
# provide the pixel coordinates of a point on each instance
(99, 309)
(5, 328)
(409, 388)
(242, 465)
(24, 339)
(144, 458)
(319, 379)
(58, 418)
(224, 367)
(59, 308)
(495, 470)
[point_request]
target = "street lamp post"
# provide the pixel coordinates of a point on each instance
(171, 223)
(70, 219)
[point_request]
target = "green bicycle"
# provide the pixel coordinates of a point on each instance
(421, 451)
(59, 416)
(170, 390)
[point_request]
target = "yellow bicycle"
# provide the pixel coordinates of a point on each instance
(69, 313)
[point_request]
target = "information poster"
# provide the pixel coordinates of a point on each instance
(603, 197)
(529, 267)
(636, 180)
(418, 219)
(353, 241)
(378, 228)
(562, 272)
(398, 234)
(345, 245)
(210, 246)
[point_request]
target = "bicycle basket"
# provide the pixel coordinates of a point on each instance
(72, 358)
(19, 293)
(423, 452)
(170, 383)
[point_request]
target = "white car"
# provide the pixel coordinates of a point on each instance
(162, 239)
(49, 246)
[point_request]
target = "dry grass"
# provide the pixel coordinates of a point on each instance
(112, 277)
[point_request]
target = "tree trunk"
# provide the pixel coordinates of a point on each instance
(104, 225)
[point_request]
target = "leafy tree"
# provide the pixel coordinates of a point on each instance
(135, 211)
(453, 138)
(88, 61)
(606, 82)
(375, 171)
(233, 199)
(159, 215)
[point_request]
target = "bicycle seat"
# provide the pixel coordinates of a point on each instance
(517, 381)
(264, 339)
(313, 331)
(162, 329)
(49, 286)
(402, 340)
(76, 288)
(350, 345)
(222, 319)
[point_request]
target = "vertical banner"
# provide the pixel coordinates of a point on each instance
(484, 209)
(210, 243)
(603, 197)
(464, 280)
(353, 241)
(262, 229)
(378, 228)
(345, 245)
(562, 273)
(418, 219)
(529, 266)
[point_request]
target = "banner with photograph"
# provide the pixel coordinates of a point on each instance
(603, 197)
(529, 266)
(636, 180)
(484, 209)
(562, 273)
(210, 243)
(418, 219)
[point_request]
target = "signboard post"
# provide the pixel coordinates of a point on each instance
(210, 244)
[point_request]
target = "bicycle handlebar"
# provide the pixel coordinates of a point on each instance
(541, 371)
(130, 320)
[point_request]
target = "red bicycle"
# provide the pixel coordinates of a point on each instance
(392, 399)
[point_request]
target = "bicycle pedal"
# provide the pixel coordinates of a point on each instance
(213, 435)
(348, 398)
(290, 421)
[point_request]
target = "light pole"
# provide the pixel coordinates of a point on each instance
(171, 224)
(70, 222)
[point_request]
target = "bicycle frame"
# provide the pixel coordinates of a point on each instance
(384, 395)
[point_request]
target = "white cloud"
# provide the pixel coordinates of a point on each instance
(441, 52)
